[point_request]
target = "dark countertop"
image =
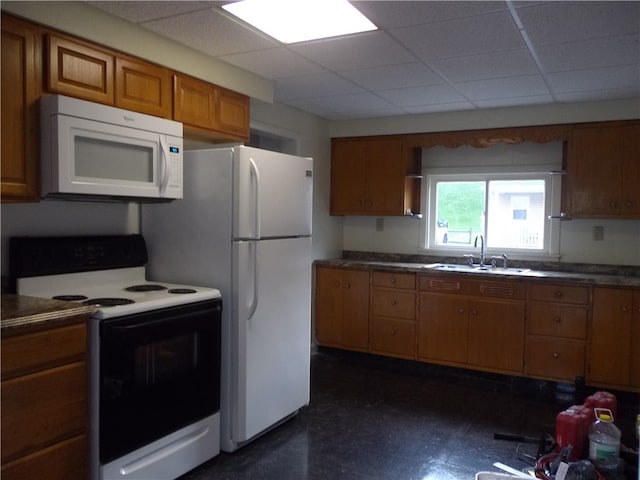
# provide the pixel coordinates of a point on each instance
(622, 279)
(22, 313)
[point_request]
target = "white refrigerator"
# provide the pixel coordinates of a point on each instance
(244, 227)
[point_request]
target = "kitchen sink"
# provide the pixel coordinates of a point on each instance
(454, 267)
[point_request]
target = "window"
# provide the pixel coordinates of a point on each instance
(505, 201)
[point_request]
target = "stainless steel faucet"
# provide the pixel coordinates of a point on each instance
(475, 244)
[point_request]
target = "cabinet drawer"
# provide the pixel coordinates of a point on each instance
(44, 349)
(394, 280)
(560, 293)
(42, 408)
(393, 336)
(557, 359)
(557, 320)
(66, 460)
(393, 303)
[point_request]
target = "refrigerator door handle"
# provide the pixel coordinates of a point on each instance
(254, 261)
(256, 173)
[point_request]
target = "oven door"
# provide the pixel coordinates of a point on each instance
(159, 372)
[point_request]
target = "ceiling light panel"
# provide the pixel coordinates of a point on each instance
(292, 21)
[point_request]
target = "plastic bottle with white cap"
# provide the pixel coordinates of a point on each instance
(604, 436)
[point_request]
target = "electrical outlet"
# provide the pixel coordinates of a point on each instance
(379, 224)
(598, 233)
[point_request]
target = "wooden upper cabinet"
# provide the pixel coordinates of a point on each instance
(368, 176)
(602, 171)
(21, 80)
(143, 87)
(208, 110)
(79, 69)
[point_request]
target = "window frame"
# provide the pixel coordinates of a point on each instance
(552, 202)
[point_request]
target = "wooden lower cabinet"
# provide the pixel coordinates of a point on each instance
(557, 331)
(614, 346)
(342, 308)
(44, 405)
(471, 324)
(393, 314)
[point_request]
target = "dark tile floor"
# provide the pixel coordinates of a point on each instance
(376, 418)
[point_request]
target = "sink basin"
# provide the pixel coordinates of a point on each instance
(454, 267)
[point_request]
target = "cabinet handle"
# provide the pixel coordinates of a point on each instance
(461, 310)
(393, 280)
(393, 302)
(556, 355)
(557, 320)
(393, 332)
(347, 285)
(624, 309)
(474, 312)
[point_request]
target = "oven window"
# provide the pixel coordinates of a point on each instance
(166, 360)
(159, 372)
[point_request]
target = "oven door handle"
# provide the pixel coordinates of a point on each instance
(186, 324)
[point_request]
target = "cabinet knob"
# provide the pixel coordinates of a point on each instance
(557, 294)
(624, 309)
(393, 280)
(394, 302)
(347, 285)
(556, 355)
(557, 319)
(393, 332)
(461, 310)
(474, 312)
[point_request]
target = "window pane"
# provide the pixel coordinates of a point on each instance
(516, 214)
(459, 212)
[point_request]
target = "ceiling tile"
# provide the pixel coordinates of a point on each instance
(557, 22)
(146, 11)
(486, 33)
(394, 76)
(211, 32)
(626, 77)
(429, 95)
(371, 49)
(521, 86)
(320, 85)
(406, 13)
(599, 52)
(489, 65)
(279, 62)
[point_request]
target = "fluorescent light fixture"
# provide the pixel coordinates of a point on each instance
(292, 21)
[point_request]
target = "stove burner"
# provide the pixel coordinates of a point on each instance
(182, 290)
(147, 287)
(69, 298)
(108, 302)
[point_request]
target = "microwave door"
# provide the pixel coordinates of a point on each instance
(94, 158)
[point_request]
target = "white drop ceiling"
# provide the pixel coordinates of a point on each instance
(427, 56)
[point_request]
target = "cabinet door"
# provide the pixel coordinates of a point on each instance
(496, 335)
(630, 193)
(443, 328)
(610, 343)
(342, 308)
(79, 70)
(232, 114)
(635, 341)
(21, 74)
(143, 87)
(393, 336)
(347, 177)
(209, 110)
(384, 173)
(555, 359)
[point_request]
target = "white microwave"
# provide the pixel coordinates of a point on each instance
(98, 152)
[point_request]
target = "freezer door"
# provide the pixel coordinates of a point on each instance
(272, 332)
(272, 195)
